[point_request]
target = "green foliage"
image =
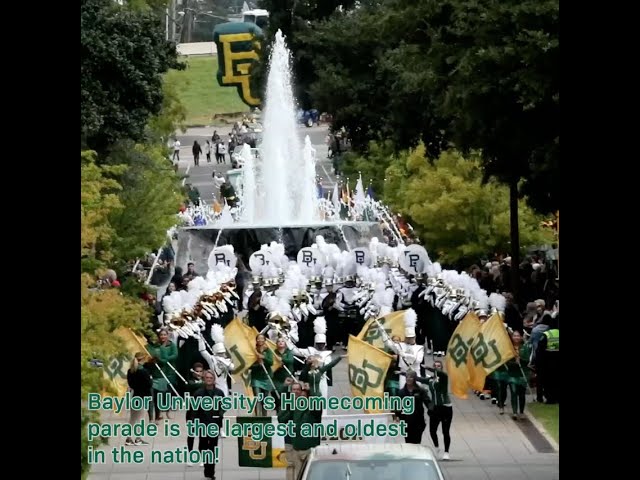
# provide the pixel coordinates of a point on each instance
(123, 56)
(477, 74)
(151, 196)
(452, 211)
(98, 201)
(372, 166)
(295, 19)
(102, 312)
(172, 116)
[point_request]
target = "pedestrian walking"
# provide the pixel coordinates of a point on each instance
(415, 421)
(222, 151)
(518, 374)
(207, 151)
(441, 412)
(197, 150)
(195, 383)
(208, 416)
(176, 150)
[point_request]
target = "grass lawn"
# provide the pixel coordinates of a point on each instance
(547, 415)
(200, 93)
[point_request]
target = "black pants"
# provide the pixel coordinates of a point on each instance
(259, 410)
(441, 414)
(208, 443)
(415, 429)
(156, 394)
(196, 159)
(518, 397)
(176, 154)
(208, 157)
(501, 393)
(220, 158)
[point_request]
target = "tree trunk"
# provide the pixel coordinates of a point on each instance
(515, 238)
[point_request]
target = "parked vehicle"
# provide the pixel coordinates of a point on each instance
(356, 461)
(309, 117)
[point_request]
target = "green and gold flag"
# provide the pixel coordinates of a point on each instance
(115, 370)
(393, 323)
(266, 453)
(277, 363)
(491, 349)
(368, 367)
(241, 348)
(458, 352)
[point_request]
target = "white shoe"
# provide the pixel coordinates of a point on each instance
(201, 464)
(446, 456)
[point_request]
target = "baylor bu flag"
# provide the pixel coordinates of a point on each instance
(115, 370)
(368, 367)
(266, 453)
(458, 352)
(491, 349)
(393, 323)
(241, 348)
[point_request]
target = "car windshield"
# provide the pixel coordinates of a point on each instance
(379, 469)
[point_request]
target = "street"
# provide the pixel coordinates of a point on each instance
(201, 176)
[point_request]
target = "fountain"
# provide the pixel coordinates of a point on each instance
(277, 189)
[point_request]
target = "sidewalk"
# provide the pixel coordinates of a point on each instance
(484, 446)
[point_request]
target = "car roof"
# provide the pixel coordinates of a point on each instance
(362, 451)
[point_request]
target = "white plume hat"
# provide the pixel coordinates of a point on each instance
(410, 320)
(320, 329)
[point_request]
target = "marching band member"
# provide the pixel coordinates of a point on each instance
(261, 381)
(219, 362)
(320, 327)
(410, 355)
(285, 355)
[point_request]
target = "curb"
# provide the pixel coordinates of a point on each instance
(542, 431)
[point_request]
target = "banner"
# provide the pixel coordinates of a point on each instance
(238, 45)
(115, 370)
(368, 367)
(491, 349)
(240, 346)
(393, 324)
(268, 453)
(458, 352)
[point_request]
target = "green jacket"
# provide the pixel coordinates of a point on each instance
(165, 354)
(260, 379)
(438, 391)
(285, 415)
(514, 371)
(313, 377)
(299, 417)
(280, 375)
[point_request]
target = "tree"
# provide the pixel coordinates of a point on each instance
(123, 56)
(294, 18)
(98, 201)
(477, 74)
(151, 196)
(372, 167)
(102, 312)
(460, 219)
